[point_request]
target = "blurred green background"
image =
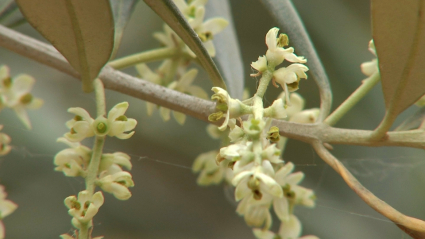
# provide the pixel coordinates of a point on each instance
(166, 201)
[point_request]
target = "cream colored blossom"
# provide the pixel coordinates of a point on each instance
(276, 110)
(112, 163)
(289, 77)
(290, 229)
(72, 161)
(184, 85)
(260, 65)
(16, 94)
(293, 194)
(228, 107)
(370, 67)
(80, 126)
(117, 124)
(4, 143)
(6, 208)
(84, 208)
(194, 12)
(117, 184)
(276, 53)
(210, 172)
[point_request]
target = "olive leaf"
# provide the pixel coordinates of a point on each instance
(413, 122)
(82, 31)
(399, 35)
(287, 17)
(171, 15)
(228, 55)
(122, 10)
(10, 15)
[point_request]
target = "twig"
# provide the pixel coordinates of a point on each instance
(195, 107)
(413, 226)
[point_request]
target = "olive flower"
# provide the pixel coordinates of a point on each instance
(276, 53)
(290, 229)
(15, 94)
(84, 208)
(117, 124)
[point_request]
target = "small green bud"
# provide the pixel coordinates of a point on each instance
(101, 127)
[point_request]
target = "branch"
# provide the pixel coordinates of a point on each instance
(195, 107)
(413, 226)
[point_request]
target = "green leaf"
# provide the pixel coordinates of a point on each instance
(399, 34)
(287, 17)
(413, 122)
(228, 55)
(10, 15)
(82, 31)
(171, 15)
(122, 10)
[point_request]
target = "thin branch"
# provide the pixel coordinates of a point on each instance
(195, 107)
(413, 226)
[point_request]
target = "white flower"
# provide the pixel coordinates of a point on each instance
(289, 77)
(290, 229)
(74, 160)
(276, 110)
(194, 13)
(184, 85)
(276, 53)
(257, 215)
(370, 67)
(260, 65)
(117, 123)
(112, 163)
(256, 182)
(228, 107)
(85, 207)
(272, 153)
(7, 207)
(206, 30)
(293, 194)
(15, 94)
(211, 173)
(236, 134)
(80, 126)
(306, 116)
(117, 184)
(4, 143)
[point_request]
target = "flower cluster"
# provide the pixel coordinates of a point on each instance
(287, 77)
(183, 84)
(15, 93)
(261, 178)
(78, 161)
(173, 72)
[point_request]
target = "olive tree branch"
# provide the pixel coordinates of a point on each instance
(196, 107)
(413, 226)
